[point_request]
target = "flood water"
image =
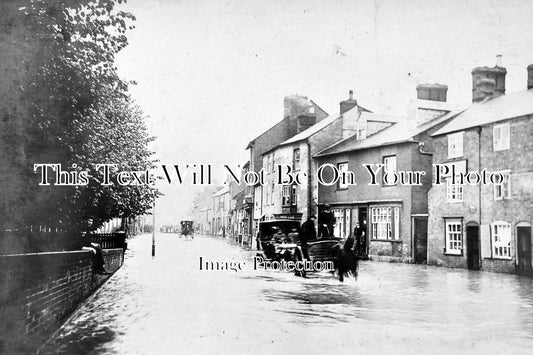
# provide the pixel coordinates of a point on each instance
(166, 305)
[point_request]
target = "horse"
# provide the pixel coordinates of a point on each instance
(347, 262)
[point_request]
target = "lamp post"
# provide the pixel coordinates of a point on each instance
(153, 229)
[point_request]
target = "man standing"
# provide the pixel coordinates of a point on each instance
(360, 238)
(307, 232)
(326, 221)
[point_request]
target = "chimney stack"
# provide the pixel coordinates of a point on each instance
(488, 82)
(347, 105)
(530, 76)
(433, 92)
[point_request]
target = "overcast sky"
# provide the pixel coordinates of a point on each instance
(212, 75)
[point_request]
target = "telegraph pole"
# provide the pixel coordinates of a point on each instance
(153, 229)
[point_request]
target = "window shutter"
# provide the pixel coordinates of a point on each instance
(484, 235)
(506, 136)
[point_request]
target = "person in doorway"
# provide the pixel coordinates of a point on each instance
(362, 241)
(326, 222)
(358, 235)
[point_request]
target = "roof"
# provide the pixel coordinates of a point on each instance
(400, 132)
(311, 130)
(491, 110)
(222, 191)
(252, 142)
(369, 116)
(317, 127)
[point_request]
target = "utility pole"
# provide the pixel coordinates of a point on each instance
(153, 229)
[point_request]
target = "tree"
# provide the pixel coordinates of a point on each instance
(81, 113)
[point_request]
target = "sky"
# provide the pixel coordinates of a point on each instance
(212, 75)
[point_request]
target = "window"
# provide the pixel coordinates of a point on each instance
(266, 162)
(286, 196)
(360, 130)
(503, 190)
(454, 236)
(339, 223)
(382, 221)
(273, 164)
(342, 168)
(455, 145)
(454, 191)
(272, 194)
(389, 166)
(501, 137)
(342, 226)
(312, 109)
(296, 159)
(501, 240)
(294, 195)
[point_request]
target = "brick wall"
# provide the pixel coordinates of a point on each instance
(479, 205)
(39, 291)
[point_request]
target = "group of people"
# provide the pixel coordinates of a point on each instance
(356, 242)
(326, 224)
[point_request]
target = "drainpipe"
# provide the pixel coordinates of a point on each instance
(309, 180)
(479, 189)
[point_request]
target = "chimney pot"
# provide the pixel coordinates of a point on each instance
(488, 82)
(433, 92)
(499, 61)
(347, 105)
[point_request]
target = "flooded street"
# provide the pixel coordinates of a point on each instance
(166, 305)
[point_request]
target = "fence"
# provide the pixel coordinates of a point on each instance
(109, 240)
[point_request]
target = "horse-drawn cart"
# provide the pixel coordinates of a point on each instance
(186, 229)
(279, 241)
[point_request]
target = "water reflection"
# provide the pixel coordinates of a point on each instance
(166, 305)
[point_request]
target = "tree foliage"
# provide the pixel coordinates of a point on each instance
(82, 113)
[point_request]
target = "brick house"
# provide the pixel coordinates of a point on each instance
(485, 226)
(241, 208)
(221, 214)
(299, 200)
(299, 113)
(395, 213)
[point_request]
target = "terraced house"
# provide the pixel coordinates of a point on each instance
(299, 113)
(485, 226)
(298, 200)
(395, 214)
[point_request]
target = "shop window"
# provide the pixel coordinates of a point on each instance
(385, 223)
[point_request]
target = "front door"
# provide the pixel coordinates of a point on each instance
(472, 252)
(421, 239)
(523, 237)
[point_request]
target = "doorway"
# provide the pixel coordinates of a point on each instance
(363, 217)
(420, 239)
(473, 248)
(523, 252)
